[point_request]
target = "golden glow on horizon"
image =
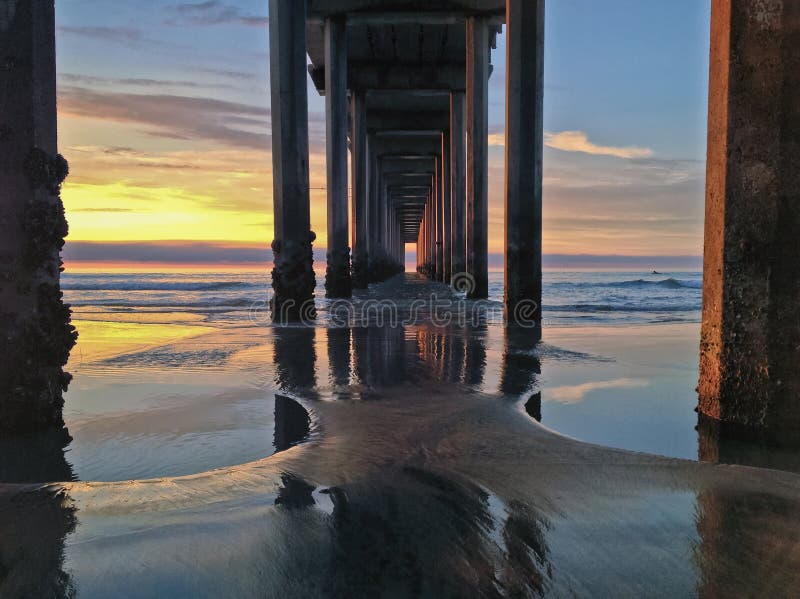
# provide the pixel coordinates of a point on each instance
(123, 212)
(98, 267)
(214, 193)
(117, 194)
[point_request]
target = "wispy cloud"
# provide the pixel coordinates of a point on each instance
(178, 117)
(497, 139)
(172, 116)
(214, 12)
(140, 82)
(226, 73)
(121, 35)
(578, 141)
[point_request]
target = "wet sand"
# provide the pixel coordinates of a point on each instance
(423, 473)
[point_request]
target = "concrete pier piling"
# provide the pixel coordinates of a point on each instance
(426, 99)
(360, 209)
(35, 331)
(436, 193)
(478, 155)
(337, 282)
(458, 182)
(407, 69)
(750, 344)
(425, 103)
(447, 230)
(524, 149)
(293, 278)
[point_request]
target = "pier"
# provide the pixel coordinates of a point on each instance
(405, 85)
(417, 77)
(226, 448)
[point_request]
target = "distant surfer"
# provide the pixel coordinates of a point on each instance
(655, 272)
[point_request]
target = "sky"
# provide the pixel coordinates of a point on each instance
(164, 116)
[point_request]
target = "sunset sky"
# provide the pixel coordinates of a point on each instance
(164, 117)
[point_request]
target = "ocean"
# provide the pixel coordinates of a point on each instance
(176, 373)
(569, 298)
(228, 456)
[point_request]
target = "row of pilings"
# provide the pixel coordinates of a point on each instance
(406, 92)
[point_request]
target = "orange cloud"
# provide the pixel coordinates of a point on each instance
(578, 141)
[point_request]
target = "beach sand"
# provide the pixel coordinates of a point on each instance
(423, 473)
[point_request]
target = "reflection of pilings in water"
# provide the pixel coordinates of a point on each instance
(295, 493)
(456, 356)
(740, 541)
(475, 355)
(393, 355)
(339, 355)
(295, 357)
(444, 548)
(528, 567)
(35, 458)
(34, 527)
(447, 355)
(533, 407)
(441, 353)
(292, 423)
(379, 355)
(429, 343)
(362, 356)
(521, 367)
(452, 354)
(725, 443)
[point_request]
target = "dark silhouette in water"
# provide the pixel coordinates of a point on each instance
(295, 357)
(32, 544)
(292, 424)
(34, 521)
(733, 529)
(720, 443)
(35, 458)
(418, 533)
(521, 368)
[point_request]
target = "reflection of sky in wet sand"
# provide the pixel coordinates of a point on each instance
(570, 394)
(423, 475)
(640, 397)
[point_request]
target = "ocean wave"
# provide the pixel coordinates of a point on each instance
(622, 308)
(155, 286)
(666, 283)
(638, 283)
